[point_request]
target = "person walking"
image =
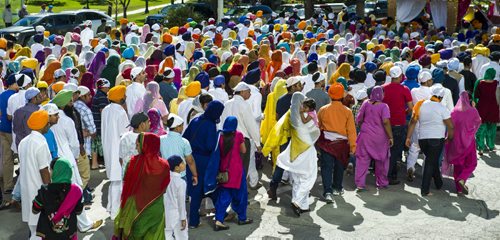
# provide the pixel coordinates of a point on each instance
(434, 125)
(374, 140)
(7, 16)
(486, 103)
(461, 151)
(233, 188)
(174, 201)
(23, 12)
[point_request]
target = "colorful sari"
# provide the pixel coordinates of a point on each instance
(146, 178)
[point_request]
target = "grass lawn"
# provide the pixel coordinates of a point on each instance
(67, 5)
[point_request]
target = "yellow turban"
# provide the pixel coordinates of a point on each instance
(232, 34)
(117, 93)
(193, 89)
(29, 63)
(42, 84)
(259, 13)
(46, 34)
(94, 42)
(58, 86)
(302, 25)
(496, 37)
(38, 120)
(3, 43)
(174, 31)
(285, 27)
(370, 46)
(167, 38)
(277, 27)
(481, 50)
(435, 58)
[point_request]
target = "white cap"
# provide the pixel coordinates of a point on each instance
(168, 73)
(292, 81)
(396, 72)
(437, 91)
(318, 77)
(50, 108)
(135, 71)
(59, 73)
(26, 80)
(88, 23)
(74, 73)
(177, 120)
(442, 64)
(83, 90)
(155, 27)
(361, 94)
(71, 86)
(424, 76)
(134, 28)
(39, 29)
(414, 35)
(242, 86)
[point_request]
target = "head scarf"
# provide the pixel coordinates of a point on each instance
(377, 94)
(62, 171)
(214, 111)
(97, 65)
(147, 176)
(156, 126)
(88, 81)
(275, 64)
(48, 75)
(67, 62)
(110, 71)
(342, 71)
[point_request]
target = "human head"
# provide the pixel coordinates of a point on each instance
(396, 74)
(63, 98)
(117, 94)
(140, 122)
(309, 104)
(85, 94)
(39, 121)
(336, 92)
(60, 75)
(53, 112)
(175, 123)
(437, 91)
(137, 74)
(62, 171)
(33, 96)
(176, 164)
(243, 90)
(425, 78)
(294, 84)
(103, 85)
(377, 94)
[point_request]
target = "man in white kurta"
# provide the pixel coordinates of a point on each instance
(136, 90)
(113, 125)
(18, 100)
(255, 102)
(68, 148)
(239, 107)
(34, 160)
(87, 34)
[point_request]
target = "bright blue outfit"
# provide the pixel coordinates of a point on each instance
(51, 141)
(203, 136)
(238, 198)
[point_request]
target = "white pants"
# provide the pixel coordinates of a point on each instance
(83, 221)
(114, 198)
(33, 233)
(176, 233)
(253, 175)
(301, 186)
(411, 160)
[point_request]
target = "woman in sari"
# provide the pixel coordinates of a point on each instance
(203, 137)
(300, 156)
(374, 140)
(147, 176)
(97, 65)
(461, 150)
(487, 106)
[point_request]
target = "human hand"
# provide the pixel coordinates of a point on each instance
(391, 142)
(408, 142)
(195, 180)
(183, 225)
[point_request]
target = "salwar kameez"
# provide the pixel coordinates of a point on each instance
(487, 106)
(486, 135)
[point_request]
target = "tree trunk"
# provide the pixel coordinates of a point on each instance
(172, 1)
(124, 10)
(309, 8)
(360, 8)
(147, 7)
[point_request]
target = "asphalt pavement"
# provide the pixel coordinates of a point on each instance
(397, 212)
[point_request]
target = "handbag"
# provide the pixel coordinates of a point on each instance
(223, 176)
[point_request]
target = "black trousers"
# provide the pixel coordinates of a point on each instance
(432, 149)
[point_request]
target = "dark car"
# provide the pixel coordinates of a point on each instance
(57, 23)
(204, 9)
(380, 9)
(156, 18)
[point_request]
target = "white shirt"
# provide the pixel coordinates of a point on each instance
(255, 102)
(114, 124)
(68, 146)
(219, 94)
(239, 108)
(16, 101)
(34, 155)
(174, 201)
(127, 148)
(431, 125)
(369, 81)
(477, 62)
(135, 91)
(354, 89)
(447, 100)
(420, 93)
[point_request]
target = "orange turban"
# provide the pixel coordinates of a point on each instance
(193, 89)
(3, 43)
(302, 25)
(251, 33)
(38, 120)
(167, 38)
(123, 21)
(336, 91)
(249, 43)
(58, 86)
(117, 93)
(286, 35)
(94, 42)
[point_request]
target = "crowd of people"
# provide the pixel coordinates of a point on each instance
(190, 114)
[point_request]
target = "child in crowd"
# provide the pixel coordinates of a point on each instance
(309, 106)
(174, 201)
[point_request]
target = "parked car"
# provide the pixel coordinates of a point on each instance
(156, 18)
(95, 16)
(266, 10)
(289, 7)
(22, 30)
(380, 9)
(204, 9)
(236, 12)
(331, 7)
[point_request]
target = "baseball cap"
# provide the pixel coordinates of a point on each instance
(83, 90)
(71, 86)
(292, 81)
(102, 83)
(137, 119)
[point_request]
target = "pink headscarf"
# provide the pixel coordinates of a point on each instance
(156, 126)
(466, 122)
(177, 77)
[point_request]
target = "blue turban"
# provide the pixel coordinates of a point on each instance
(370, 66)
(252, 76)
(438, 75)
(213, 59)
(169, 50)
(197, 55)
(446, 54)
(203, 78)
(219, 80)
(412, 72)
(312, 57)
(128, 53)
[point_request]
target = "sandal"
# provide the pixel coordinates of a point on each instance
(5, 205)
(220, 227)
(465, 189)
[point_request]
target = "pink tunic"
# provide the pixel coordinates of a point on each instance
(372, 140)
(233, 162)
